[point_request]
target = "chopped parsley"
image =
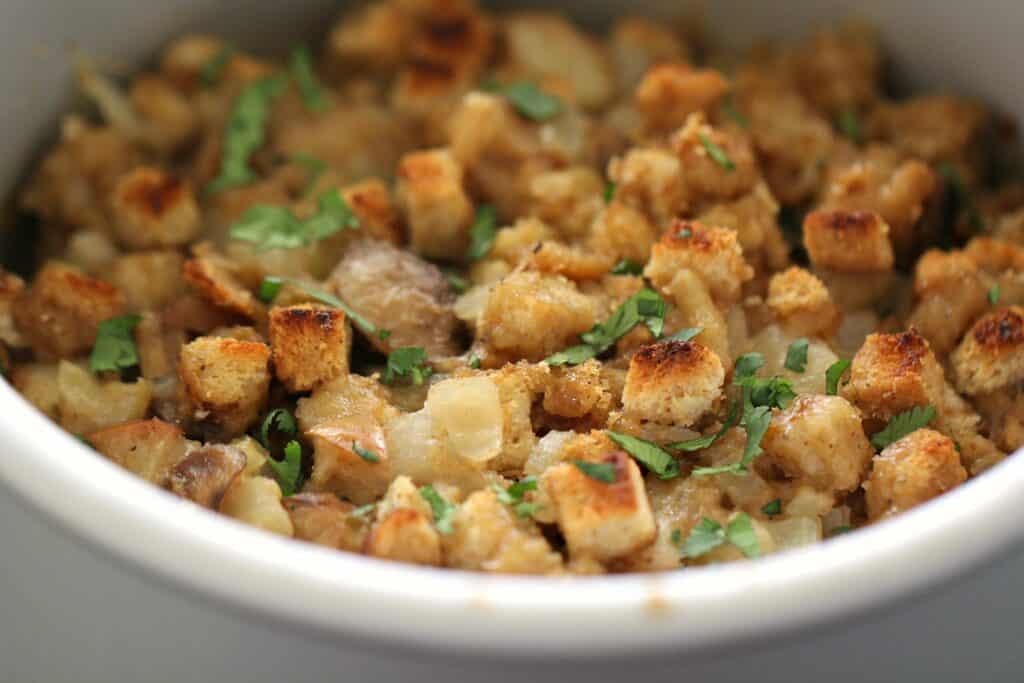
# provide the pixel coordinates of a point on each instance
(474, 362)
(747, 364)
(730, 110)
(458, 283)
(114, 348)
(300, 66)
(609, 192)
(903, 424)
(709, 534)
(676, 537)
(528, 99)
(833, 374)
(245, 132)
(773, 508)
(702, 442)
(599, 471)
(213, 70)
(363, 511)
(408, 361)
(646, 307)
(848, 124)
(276, 227)
(796, 356)
(774, 392)
(279, 420)
(482, 233)
(270, 287)
(365, 453)
(716, 153)
(993, 295)
(755, 422)
(647, 453)
(515, 494)
(442, 509)
(627, 267)
(288, 471)
(685, 334)
(840, 530)
(315, 168)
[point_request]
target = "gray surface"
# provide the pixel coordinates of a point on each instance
(54, 629)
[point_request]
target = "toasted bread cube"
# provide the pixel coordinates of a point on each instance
(817, 441)
(170, 121)
(840, 67)
(848, 241)
(531, 316)
(917, 468)
(204, 475)
(638, 43)
(404, 530)
(567, 198)
(951, 294)
(371, 202)
(150, 280)
(622, 231)
(487, 536)
(310, 344)
(226, 381)
(650, 179)
(436, 207)
(714, 254)
(148, 448)
(343, 458)
(717, 164)
(37, 382)
(372, 39)
(256, 501)
(576, 391)
(215, 280)
(673, 382)
(934, 128)
(59, 313)
(323, 519)
(670, 92)
(10, 287)
(802, 304)
(893, 373)
(153, 208)
(991, 355)
(87, 404)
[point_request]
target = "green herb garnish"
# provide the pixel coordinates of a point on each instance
(848, 124)
(363, 511)
(458, 283)
(528, 99)
(270, 287)
(482, 233)
(279, 420)
(245, 132)
(840, 530)
(276, 227)
(114, 348)
(903, 424)
(646, 307)
(365, 453)
(685, 334)
(515, 493)
(833, 374)
(747, 364)
(474, 362)
(408, 361)
(730, 110)
(716, 153)
(755, 422)
(796, 356)
(213, 70)
(773, 508)
(652, 456)
(993, 294)
(627, 267)
(442, 509)
(676, 537)
(609, 192)
(702, 442)
(709, 534)
(600, 471)
(300, 66)
(288, 470)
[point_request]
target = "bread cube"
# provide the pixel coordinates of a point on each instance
(714, 254)
(310, 345)
(848, 241)
(649, 179)
(404, 530)
(893, 373)
(37, 383)
(147, 448)
(434, 202)
(716, 163)
(226, 382)
(214, 278)
(991, 355)
(149, 279)
(917, 468)
(87, 404)
(673, 382)
(256, 501)
(670, 92)
(802, 304)
(340, 469)
(153, 208)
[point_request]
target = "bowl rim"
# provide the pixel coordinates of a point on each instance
(345, 595)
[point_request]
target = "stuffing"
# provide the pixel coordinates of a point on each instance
(578, 391)
(637, 44)
(215, 279)
(991, 355)
(345, 396)
(323, 519)
(716, 164)
(404, 529)
(714, 254)
(673, 383)
(87, 404)
(915, 469)
(848, 241)
(840, 69)
(150, 449)
(152, 208)
(204, 475)
(951, 293)
(649, 179)
(256, 501)
(670, 92)
(37, 383)
(225, 382)
(892, 373)
(622, 232)
(802, 304)
(11, 286)
(310, 345)
(150, 280)
(435, 205)
(567, 199)
(350, 458)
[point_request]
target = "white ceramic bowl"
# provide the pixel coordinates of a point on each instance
(70, 590)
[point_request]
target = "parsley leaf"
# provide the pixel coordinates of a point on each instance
(213, 70)
(709, 534)
(609, 192)
(716, 153)
(276, 227)
(685, 334)
(279, 420)
(646, 307)
(676, 537)
(840, 530)
(833, 374)
(993, 295)
(774, 392)
(408, 361)
(114, 348)
(474, 362)
(270, 287)
(514, 494)
(363, 511)
(741, 534)
(314, 169)
(796, 356)
(442, 509)
(755, 422)
(748, 364)
(627, 267)
(601, 471)
(903, 424)
(245, 132)
(458, 283)
(289, 470)
(848, 124)
(365, 453)
(482, 233)
(730, 110)
(301, 68)
(653, 457)
(703, 442)
(528, 99)
(773, 508)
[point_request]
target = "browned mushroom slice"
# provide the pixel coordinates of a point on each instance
(399, 292)
(205, 474)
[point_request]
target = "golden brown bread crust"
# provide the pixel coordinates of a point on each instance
(915, 469)
(991, 355)
(673, 382)
(848, 241)
(310, 345)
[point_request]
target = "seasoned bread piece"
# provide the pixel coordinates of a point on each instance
(11, 286)
(621, 231)
(350, 458)
(639, 43)
(649, 179)
(817, 441)
(531, 316)
(87, 404)
(153, 208)
(404, 529)
(951, 293)
(802, 304)
(673, 383)
(991, 355)
(149, 280)
(435, 205)
(848, 241)
(323, 519)
(600, 520)
(215, 279)
(714, 254)
(343, 397)
(671, 91)
(147, 448)
(204, 475)
(256, 501)
(717, 164)
(310, 345)
(37, 383)
(226, 382)
(893, 373)
(918, 467)
(59, 313)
